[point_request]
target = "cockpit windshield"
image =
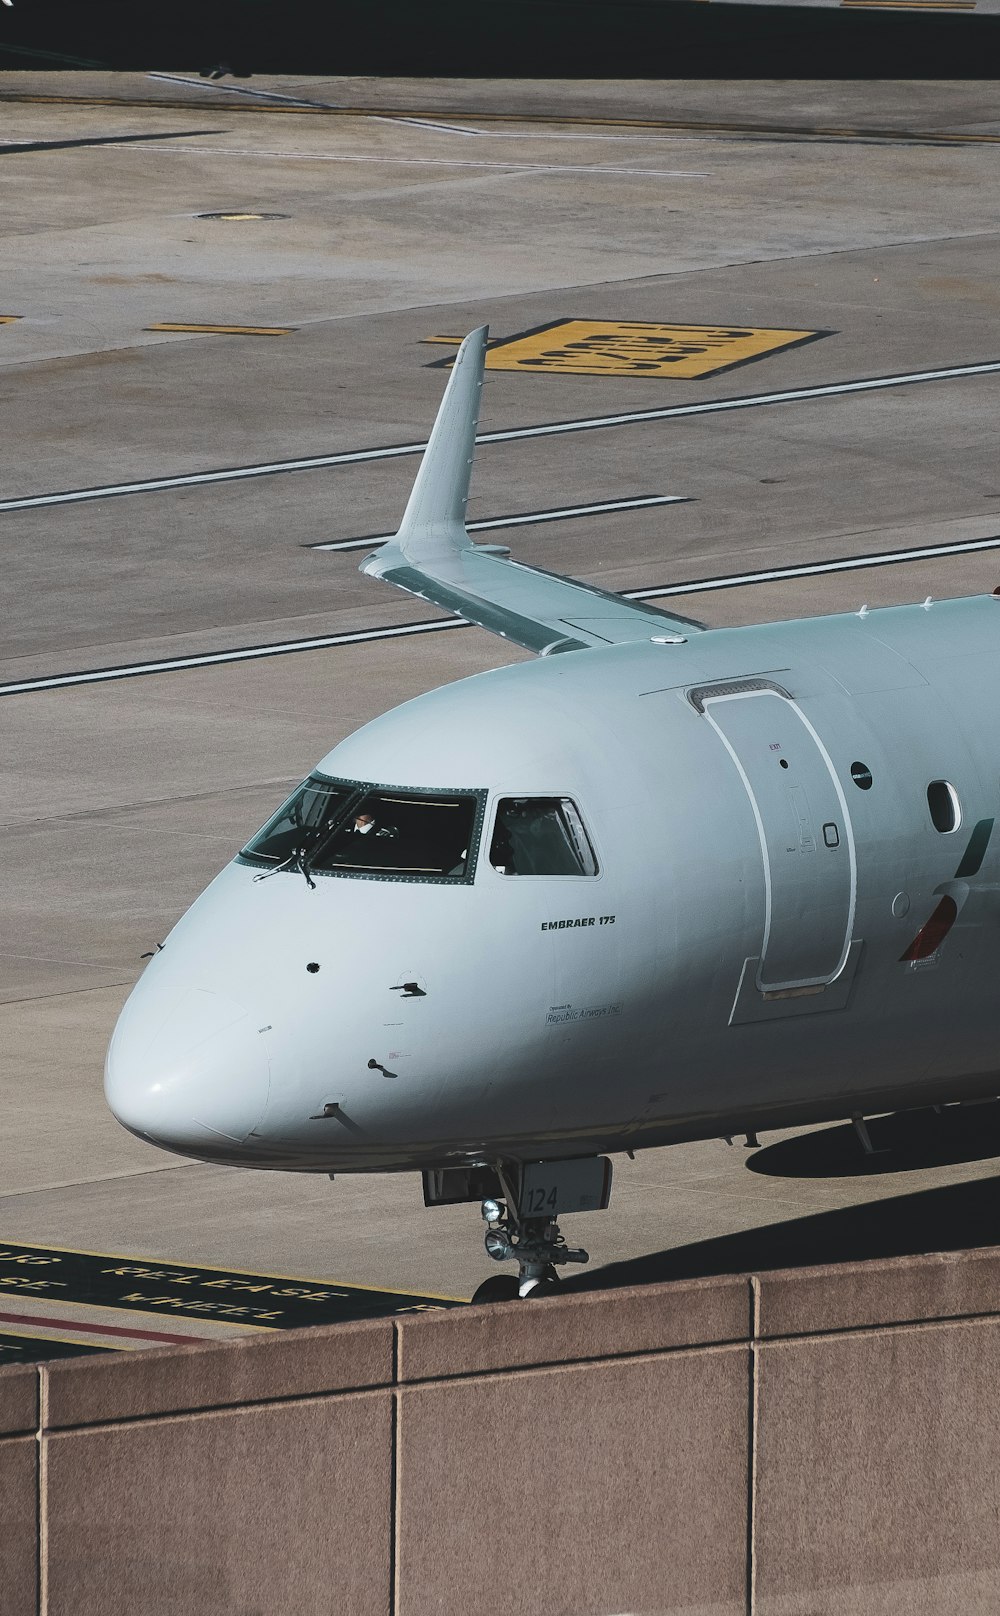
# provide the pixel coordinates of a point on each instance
(340, 827)
(301, 823)
(398, 834)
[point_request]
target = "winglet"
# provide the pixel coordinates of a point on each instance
(433, 557)
(433, 524)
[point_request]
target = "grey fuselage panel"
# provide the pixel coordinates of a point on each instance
(754, 946)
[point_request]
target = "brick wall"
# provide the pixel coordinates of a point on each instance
(809, 1443)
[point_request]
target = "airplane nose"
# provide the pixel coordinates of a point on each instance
(185, 1074)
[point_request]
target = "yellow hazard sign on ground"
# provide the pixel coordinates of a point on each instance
(639, 348)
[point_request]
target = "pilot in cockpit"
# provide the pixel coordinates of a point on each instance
(365, 824)
(365, 841)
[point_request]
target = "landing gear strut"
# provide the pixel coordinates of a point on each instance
(521, 1201)
(535, 1244)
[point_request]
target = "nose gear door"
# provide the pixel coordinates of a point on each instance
(806, 840)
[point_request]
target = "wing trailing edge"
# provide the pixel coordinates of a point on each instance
(433, 557)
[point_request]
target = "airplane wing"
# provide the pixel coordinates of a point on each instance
(432, 555)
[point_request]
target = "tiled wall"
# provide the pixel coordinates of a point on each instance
(824, 1442)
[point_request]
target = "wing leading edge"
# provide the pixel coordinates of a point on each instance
(433, 556)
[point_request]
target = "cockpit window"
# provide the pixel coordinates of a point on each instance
(540, 836)
(344, 827)
(389, 833)
(301, 822)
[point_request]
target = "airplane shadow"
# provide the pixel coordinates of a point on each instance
(952, 1217)
(904, 1142)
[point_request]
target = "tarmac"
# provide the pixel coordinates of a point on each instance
(164, 491)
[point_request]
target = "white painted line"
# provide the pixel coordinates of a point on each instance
(215, 85)
(719, 406)
(299, 101)
(398, 631)
(525, 519)
(510, 167)
(814, 569)
(422, 123)
(250, 653)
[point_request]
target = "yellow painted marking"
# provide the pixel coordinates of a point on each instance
(909, 5)
(8, 319)
(673, 125)
(116, 1313)
(72, 1340)
(225, 330)
(213, 1268)
(638, 348)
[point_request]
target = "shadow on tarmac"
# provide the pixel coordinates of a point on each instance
(953, 1217)
(904, 1143)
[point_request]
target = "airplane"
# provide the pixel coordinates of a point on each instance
(663, 883)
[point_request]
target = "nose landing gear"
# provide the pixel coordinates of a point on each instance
(535, 1244)
(521, 1201)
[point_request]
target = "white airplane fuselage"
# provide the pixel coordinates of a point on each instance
(750, 953)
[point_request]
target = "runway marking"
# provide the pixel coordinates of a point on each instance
(115, 1331)
(16, 1346)
(813, 569)
(397, 631)
(277, 1301)
(13, 147)
(523, 519)
(593, 423)
(669, 126)
(908, 5)
(508, 166)
(425, 123)
(225, 330)
(639, 348)
(292, 101)
(213, 85)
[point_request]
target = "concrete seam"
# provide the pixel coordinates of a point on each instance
(753, 1398)
(879, 1327)
(382, 1385)
(574, 1363)
(394, 1500)
(214, 1410)
(395, 1507)
(41, 1497)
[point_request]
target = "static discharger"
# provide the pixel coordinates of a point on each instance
(223, 330)
(637, 348)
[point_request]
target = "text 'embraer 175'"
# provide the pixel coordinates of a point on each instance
(663, 884)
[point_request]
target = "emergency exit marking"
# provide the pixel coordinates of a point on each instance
(639, 348)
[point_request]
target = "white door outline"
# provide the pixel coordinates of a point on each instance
(707, 701)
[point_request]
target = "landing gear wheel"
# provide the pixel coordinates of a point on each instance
(498, 1288)
(541, 1288)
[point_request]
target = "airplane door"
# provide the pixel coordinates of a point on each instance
(806, 841)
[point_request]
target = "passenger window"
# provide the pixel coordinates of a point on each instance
(946, 810)
(540, 836)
